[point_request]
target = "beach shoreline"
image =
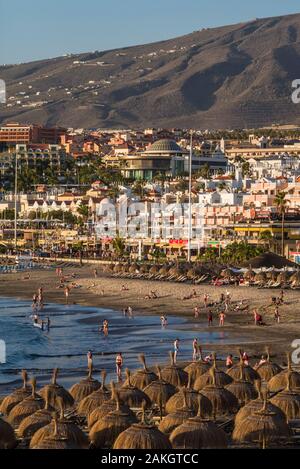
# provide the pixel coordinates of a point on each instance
(106, 292)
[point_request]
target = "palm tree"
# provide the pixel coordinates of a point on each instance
(83, 210)
(119, 246)
(281, 203)
(267, 237)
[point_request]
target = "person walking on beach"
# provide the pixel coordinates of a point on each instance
(277, 314)
(210, 318)
(176, 349)
(255, 315)
(222, 317)
(281, 296)
(95, 273)
(119, 365)
(206, 300)
(196, 312)
(67, 292)
(195, 350)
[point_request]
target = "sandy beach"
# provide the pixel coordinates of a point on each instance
(106, 292)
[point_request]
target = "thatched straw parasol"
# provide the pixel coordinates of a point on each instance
(263, 427)
(106, 408)
(85, 387)
(55, 391)
(39, 419)
(279, 381)
(192, 397)
(27, 407)
(144, 269)
(243, 390)
(176, 418)
(55, 440)
(105, 431)
(227, 273)
(223, 401)
(197, 368)
(283, 277)
(268, 369)
(163, 270)
(295, 277)
(260, 277)
(94, 400)
(198, 433)
(7, 436)
(250, 374)
(142, 436)
(160, 391)
(221, 378)
(154, 270)
(125, 267)
(66, 429)
(192, 273)
(257, 405)
(141, 378)
(118, 268)
(133, 268)
(17, 396)
(288, 401)
(131, 395)
(173, 374)
(249, 274)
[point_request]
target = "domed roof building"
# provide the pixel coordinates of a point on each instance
(164, 146)
(162, 157)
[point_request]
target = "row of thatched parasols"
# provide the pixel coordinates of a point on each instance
(157, 409)
(197, 273)
(180, 272)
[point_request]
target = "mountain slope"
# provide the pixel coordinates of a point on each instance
(232, 76)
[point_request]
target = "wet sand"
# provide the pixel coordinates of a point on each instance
(238, 325)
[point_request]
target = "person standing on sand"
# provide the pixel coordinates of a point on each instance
(222, 317)
(205, 300)
(176, 349)
(95, 273)
(119, 364)
(255, 315)
(67, 292)
(281, 296)
(277, 314)
(210, 318)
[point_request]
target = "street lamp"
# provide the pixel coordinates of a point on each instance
(190, 199)
(16, 194)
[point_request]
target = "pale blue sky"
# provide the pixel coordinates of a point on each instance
(32, 29)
